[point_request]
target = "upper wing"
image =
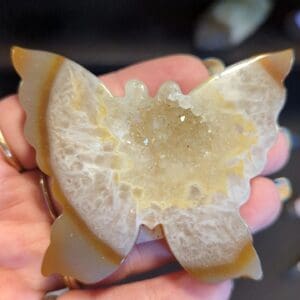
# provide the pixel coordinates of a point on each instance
(64, 105)
(254, 89)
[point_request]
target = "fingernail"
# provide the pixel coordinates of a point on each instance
(284, 187)
(214, 65)
(293, 272)
(293, 208)
(297, 207)
(293, 139)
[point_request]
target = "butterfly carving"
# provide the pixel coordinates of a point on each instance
(179, 161)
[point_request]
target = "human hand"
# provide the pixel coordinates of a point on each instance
(25, 223)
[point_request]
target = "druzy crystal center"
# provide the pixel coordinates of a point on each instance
(170, 136)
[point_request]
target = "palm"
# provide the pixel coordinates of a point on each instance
(25, 223)
(24, 237)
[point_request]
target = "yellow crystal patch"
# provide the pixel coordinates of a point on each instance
(171, 157)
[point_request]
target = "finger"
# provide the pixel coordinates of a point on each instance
(192, 72)
(171, 286)
(143, 258)
(263, 205)
(12, 125)
(187, 70)
(279, 153)
(24, 217)
(21, 199)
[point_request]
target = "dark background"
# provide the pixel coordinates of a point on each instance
(106, 35)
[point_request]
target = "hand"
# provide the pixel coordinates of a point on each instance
(25, 223)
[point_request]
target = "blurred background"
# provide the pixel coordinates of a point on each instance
(108, 34)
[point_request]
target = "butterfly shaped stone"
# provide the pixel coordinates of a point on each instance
(179, 161)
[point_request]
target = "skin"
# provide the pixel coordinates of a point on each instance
(25, 223)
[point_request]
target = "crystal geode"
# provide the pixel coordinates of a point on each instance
(179, 161)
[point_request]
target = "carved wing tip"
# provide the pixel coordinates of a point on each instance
(19, 57)
(279, 64)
